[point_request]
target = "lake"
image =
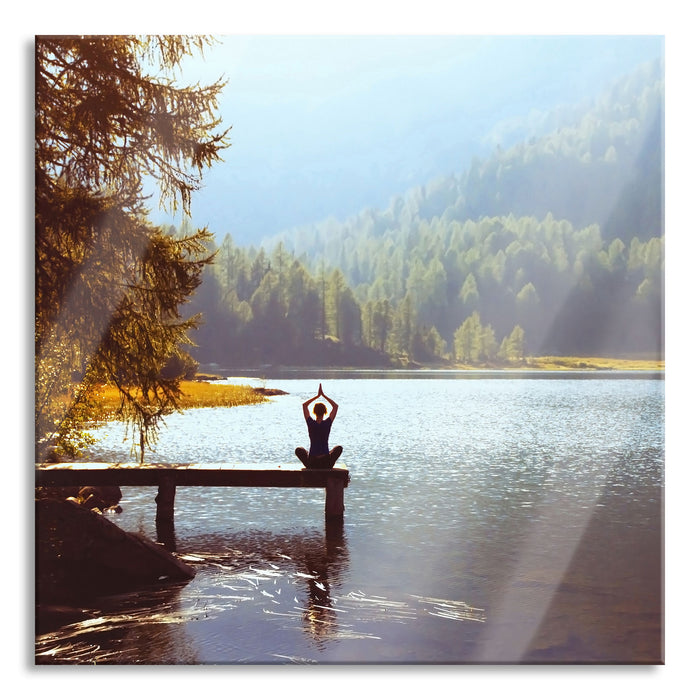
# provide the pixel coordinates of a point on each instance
(490, 518)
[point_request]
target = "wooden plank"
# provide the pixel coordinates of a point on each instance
(167, 477)
(183, 474)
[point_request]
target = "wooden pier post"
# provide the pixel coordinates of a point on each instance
(165, 500)
(335, 504)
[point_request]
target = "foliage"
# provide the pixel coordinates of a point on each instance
(109, 285)
(557, 244)
(482, 292)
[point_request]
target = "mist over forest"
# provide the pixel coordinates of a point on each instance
(553, 245)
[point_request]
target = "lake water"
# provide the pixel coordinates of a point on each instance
(490, 518)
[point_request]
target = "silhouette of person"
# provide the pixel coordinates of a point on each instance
(318, 455)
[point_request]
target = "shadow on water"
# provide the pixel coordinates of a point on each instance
(287, 576)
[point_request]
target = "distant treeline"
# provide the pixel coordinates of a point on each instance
(553, 247)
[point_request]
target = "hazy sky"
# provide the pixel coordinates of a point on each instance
(329, 125)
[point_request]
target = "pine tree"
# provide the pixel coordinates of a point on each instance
(513, 346)
(109, 285)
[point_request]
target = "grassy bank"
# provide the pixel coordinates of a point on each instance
(571, 363)
(195, 394)
(553, 363)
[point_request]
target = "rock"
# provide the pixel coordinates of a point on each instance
(81, 553)
(269, 392)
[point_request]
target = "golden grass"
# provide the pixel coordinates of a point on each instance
(553, 363)
(571, 363)
(195, 394)
(206, 395)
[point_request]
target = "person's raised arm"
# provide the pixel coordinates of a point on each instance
(334, 405)
(305, 407)
(306, 404)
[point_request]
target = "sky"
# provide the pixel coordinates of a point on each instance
(327, 125)
(670, 19)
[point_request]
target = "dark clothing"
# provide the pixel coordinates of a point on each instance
(325, 461)
(318, 436)
(318, 456)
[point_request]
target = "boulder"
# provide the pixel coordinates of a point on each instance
(81, 553)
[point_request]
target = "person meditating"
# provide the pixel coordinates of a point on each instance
(319, 456)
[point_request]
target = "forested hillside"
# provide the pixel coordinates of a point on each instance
(554, 246)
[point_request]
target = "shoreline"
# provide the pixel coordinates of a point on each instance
(207, 389)
(547, 363)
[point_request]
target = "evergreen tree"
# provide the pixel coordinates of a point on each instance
(109, 285)
(467, 339)
(513, 346)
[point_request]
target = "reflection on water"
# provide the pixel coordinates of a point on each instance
(114, 631)
(294, 579)
(486, 521)
(324, 565)
(291, 576)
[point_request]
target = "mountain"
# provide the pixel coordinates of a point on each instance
(551, 246)
(325, 126)
(602, 164)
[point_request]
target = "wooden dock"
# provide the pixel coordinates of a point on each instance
(168, 476)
